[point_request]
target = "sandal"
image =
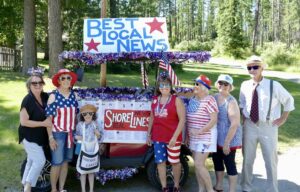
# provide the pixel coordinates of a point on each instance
(217, 190)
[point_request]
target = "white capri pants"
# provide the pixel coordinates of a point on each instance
(35, 162)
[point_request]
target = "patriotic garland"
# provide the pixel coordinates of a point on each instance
(105, 175)
(100, 58)
(122, 93)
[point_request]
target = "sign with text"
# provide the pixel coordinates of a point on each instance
(122, 121)
(115, 35)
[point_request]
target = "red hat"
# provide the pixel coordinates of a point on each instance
(204, 81)
(62, 72)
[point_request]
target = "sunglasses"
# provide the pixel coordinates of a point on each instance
(223, 83)
(87, 113)
(62, 78)
(36, 83)
(197, 84)
(163, 85)
(255, 67)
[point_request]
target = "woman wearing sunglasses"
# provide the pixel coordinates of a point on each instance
(165, 130)
(61, 109)
(229, 133)
(202, 112)
(32, 130)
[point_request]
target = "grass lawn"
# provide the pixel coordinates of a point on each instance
(12, 86)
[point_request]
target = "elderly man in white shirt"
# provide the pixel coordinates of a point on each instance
(261, 118)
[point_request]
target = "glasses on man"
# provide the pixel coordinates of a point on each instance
(223, 83)
(164, 85)
(62, 78)
(36, 83)
(88, 113)
(255, 67)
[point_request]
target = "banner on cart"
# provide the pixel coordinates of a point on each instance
(122, 121)
(115, 35)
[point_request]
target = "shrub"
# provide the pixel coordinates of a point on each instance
(195, 46)
(278, 54)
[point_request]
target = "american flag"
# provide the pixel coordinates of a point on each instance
(164, 64)
(145, 81)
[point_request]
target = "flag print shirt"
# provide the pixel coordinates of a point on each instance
(63, 110)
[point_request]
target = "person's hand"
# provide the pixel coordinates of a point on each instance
(97, 133)
(47, 123)
(149, 141)
(194, 131)
(53, 144)
(78, 138)
(172, 142)
(226, 149)
(278, 122)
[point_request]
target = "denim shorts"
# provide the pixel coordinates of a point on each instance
(62, 152)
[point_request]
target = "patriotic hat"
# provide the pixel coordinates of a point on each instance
(204, 81)
(88, 108)
(62, 72)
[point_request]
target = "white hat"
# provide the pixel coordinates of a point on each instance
(226, 78)
(254, 59)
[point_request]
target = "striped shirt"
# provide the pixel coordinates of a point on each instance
(198, 115)
(63, 110)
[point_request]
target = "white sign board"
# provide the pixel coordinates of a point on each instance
(115, 35)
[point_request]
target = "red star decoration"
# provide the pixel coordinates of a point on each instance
(155, 25)
(92, 45)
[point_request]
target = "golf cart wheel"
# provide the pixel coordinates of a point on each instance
(152, 173)
(43, 183)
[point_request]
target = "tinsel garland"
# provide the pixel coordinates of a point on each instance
(99, 58)
(105, 175)
(122, 93)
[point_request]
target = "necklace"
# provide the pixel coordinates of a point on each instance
(160, 111)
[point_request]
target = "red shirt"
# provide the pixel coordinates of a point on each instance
(165, 121)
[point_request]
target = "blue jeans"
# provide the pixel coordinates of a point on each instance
(62, 152)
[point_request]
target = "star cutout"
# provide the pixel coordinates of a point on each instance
(155, 25)
(92, 45)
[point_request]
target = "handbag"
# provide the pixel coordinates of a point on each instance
(88, 161)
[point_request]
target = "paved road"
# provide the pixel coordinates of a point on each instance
(238, 64)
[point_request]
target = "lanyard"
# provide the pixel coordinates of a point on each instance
(160, 111)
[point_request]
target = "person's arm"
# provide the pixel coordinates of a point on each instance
(286, 99)
(52, 142)
(234, 118)
(242, 100)
(212, 122)
(180, 108)
(24, 120)
(149, 132)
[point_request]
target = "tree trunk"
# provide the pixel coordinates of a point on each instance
(103, 66)
(46, 50)
(55, 35)
(256, 23)
(29, 48)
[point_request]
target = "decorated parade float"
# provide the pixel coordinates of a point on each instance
(123, 112)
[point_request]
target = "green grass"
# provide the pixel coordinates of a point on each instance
(12, 86)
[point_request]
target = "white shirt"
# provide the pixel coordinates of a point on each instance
(280, 97)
